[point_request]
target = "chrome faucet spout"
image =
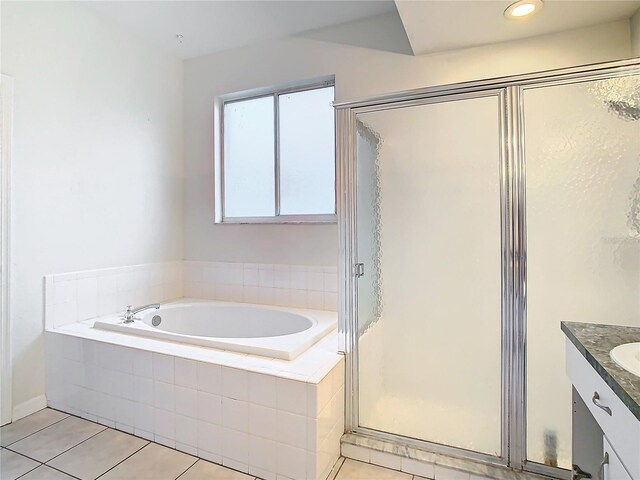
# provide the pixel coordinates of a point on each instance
(130, 313)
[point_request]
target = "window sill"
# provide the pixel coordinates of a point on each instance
(280, 220)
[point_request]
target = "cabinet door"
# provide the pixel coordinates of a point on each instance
(613, 469)
(586, 439)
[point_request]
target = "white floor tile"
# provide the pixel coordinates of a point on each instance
(354, 470)
(28, 425)
(152, 462)
(52, 441)
(206, 470)
(46, 473)
(13, 465)
(95, 456)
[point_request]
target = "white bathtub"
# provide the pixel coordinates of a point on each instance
(276, 332)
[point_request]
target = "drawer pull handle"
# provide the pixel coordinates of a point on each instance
(596, 401)
(605, 461)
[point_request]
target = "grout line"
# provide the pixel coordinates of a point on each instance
(43, 428)
(79, 443)
(44, 463)
(334, 475)
(188, 468)
(27, 456)
(124, 459)
(61, 471)
(37, 466)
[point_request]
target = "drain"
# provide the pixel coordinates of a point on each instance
(155, 321)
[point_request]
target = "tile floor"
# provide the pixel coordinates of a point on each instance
(51, 445)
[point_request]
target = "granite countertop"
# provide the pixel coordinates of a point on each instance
(595, 342)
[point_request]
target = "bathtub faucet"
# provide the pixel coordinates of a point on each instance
(130, 314)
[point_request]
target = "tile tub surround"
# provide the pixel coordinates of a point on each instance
(260, 416)
(77, 296)
(295, 286)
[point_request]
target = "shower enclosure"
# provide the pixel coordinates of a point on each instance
(473, 219)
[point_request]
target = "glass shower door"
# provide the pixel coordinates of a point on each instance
(582, 155)
(430, 298)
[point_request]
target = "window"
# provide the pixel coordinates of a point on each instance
(277, 159)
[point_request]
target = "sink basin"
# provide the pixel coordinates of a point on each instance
(628, 357)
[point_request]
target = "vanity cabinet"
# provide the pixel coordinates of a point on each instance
(611, 465)
(601, 423)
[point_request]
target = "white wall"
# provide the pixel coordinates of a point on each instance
(97, 160)
(359, 72)
(635, 33)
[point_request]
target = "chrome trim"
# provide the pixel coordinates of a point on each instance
(130, 313)
(347, 294)
(496, 82)
(428, 100)
(358, 270)
(506, 245)
(517, 353)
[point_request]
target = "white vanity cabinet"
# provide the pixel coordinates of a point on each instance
(610, 448)
(612, 466)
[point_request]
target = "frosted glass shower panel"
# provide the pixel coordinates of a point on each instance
(429, 303)
(582, 152)
(249, 158)
(307, 152)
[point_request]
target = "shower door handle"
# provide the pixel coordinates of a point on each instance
(358, 270)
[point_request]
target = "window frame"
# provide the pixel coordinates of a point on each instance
(277, 218)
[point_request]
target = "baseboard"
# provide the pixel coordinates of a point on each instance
(27, 408)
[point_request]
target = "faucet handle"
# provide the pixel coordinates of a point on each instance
(128, 315)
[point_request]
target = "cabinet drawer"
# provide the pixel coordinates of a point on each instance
(621, 428)
(613, 469)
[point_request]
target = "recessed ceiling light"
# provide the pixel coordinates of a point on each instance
(523, 9)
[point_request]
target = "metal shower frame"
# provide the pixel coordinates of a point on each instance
(509, 92)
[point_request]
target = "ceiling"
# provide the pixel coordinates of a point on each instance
(212, 26)
(435, 26)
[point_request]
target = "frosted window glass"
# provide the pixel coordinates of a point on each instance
(307, 152)
(249, 158)
(429, 303)
(582, 147)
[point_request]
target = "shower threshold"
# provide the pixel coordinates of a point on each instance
(417, 461)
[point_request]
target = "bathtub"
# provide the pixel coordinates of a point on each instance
(276, 332)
